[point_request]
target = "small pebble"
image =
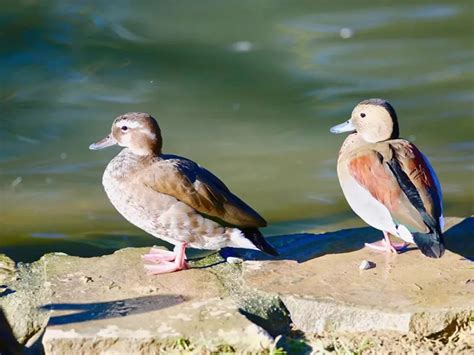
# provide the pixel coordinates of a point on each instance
(234, 260)
(366, 265)
(86, 279)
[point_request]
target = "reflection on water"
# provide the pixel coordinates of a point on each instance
(247, 89)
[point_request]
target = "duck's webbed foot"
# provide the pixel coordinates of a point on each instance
(166, 261)
(157, 255)
(386, 245)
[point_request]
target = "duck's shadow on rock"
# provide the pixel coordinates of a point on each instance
(302, 247)
(83, 312)
(460, 238)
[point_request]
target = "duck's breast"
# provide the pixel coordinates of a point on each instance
(139, 205)
(372, 212)
(161, 215)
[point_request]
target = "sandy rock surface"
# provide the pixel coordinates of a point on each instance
(314, 295)
(325, 290)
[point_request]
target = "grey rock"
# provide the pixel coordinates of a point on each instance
(7, 269)
(110, 305)
(22, 299)
(262, 308)
(366, 265)
(406, 293)
(234, 260)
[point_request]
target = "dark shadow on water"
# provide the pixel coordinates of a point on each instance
(299, 247)
(83, 312)
(305, 246)
(89, 245)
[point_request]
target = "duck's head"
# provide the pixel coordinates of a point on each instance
(374, 120)
(135, 130)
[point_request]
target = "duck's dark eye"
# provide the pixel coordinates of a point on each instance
(124, 128)
(361, 115)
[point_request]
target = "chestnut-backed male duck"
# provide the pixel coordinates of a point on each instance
(173, 198)
(388, 182)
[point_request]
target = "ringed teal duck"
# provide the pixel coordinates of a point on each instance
(172, 197)
(388, 182)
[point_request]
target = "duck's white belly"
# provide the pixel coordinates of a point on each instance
(372, 212)
(167, 218)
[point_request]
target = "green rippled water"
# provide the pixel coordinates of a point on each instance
(248, 89)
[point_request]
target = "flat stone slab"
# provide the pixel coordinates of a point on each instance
(323, 288)
(110, 305)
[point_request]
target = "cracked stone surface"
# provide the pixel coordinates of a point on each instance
(323, 288)
(21, 295)
(110, 304)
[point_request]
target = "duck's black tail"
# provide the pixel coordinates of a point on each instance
(257, 239)
(431, 244)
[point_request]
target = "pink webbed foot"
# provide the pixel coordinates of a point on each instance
(164, 268)
(167, 261)
(157, 255)
(382, 245)
(386, 245)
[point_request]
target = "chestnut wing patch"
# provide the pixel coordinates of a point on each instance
(370, 172)
(403, 181)
(373, 172)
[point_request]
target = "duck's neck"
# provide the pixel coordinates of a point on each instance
(352, 142)
(127, 162)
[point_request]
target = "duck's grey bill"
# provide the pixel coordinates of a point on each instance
(103, 143)
(347, 126)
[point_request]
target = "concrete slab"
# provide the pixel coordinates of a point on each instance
(109, 305)
(320, 282)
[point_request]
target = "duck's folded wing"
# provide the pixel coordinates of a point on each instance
(414, 171)
(203, 191)
(398, 176)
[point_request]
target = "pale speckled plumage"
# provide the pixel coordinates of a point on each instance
(159, 214)
(171, 197)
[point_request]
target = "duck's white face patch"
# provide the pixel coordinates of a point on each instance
(129, 124)
(137, 126)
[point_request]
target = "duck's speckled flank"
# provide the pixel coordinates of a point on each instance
(162, 215)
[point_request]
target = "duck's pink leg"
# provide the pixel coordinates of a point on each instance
(157, 255)
(164, 267)
(386, 245)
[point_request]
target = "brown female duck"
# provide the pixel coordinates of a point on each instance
(173, 198)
